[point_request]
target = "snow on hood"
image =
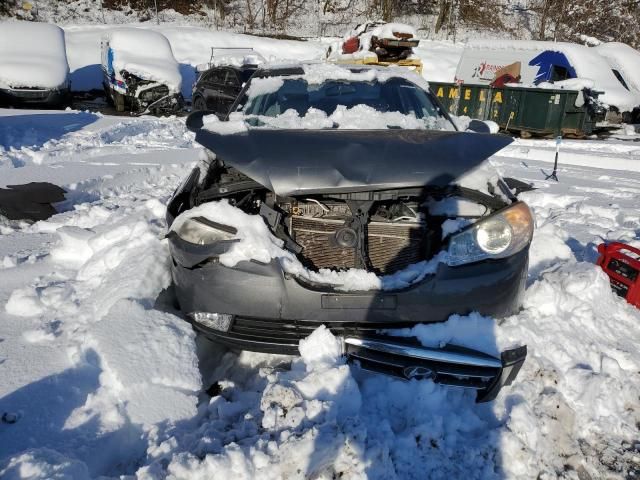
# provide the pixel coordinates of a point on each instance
(587, 63)
(32, 55)
(623, 58)
(300, 162)
(146, 54)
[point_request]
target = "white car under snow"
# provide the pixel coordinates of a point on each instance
(140, 71)
(33, 64)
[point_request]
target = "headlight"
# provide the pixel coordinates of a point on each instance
(201, 231)
(498, 236)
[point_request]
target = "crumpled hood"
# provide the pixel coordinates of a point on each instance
(299, 162)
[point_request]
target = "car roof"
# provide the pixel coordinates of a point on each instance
(284, 70)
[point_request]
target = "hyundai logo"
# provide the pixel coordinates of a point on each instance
(419, 373)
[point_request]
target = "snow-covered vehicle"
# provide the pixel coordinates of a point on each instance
(625, 65)
(33, 65)
(557, 64)
(345, 196)
(378, 43)
(140, 72)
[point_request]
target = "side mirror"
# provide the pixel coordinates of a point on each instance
(478, 126)
(194, 120)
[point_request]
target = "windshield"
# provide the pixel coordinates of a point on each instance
(394, 96)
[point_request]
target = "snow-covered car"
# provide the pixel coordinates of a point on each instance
(546, 64)
(345, 196)
(33, 65)
(140, 72)
(625, 65)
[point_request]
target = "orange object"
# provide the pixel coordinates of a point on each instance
(351, 45)
(622, 263)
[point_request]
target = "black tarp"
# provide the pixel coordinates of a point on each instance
(31, 201)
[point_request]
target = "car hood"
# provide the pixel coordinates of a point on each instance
(38, 72)
(301, 162)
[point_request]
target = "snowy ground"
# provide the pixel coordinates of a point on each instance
(104, 378)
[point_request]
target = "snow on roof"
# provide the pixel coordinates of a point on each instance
(144, 53)
(32, 55)
(586, 62)
(389, 30)
(233, 57)
(623, 58)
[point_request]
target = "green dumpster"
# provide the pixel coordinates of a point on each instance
(529, 111)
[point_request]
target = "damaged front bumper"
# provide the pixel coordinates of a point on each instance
(259, 307)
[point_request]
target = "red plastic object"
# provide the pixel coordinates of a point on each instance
(351, 45)
(623, 269)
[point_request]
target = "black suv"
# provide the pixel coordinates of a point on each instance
(217, 88)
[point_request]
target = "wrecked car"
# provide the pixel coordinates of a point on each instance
(140, 73)
(33, 65)
(346, 197)
(219, 81)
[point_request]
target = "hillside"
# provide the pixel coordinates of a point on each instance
(577, 20)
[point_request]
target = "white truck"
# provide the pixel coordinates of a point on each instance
(546, 64)
(140, 72)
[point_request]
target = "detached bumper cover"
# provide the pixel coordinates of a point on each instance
(450, 365)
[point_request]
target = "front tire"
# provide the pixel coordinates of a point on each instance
(199, 104)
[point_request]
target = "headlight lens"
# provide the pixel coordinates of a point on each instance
(498, 236)
(201, 231)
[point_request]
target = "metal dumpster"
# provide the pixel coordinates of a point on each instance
(529, 111)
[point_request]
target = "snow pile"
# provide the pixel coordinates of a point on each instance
(32, 55)
(44, 464)
(358, 117)
(146, 54)
(256, 242)
(391, 31)
(119, 373)
(237, 57)
(588, 65)
(625, 59)
(275, 421)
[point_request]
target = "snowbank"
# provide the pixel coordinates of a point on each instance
(120, 388)
(146, 54)
(32, 55)
(588, 64)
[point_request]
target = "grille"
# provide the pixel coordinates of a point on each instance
(391, 247)
(31, 94)
(291, 332)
